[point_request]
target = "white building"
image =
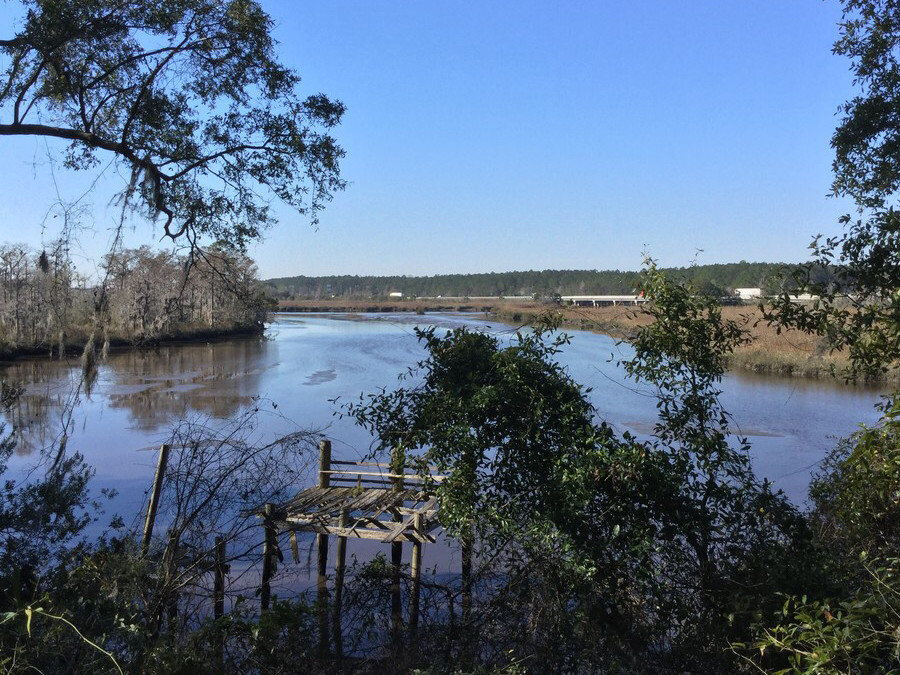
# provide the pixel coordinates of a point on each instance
(748, 293)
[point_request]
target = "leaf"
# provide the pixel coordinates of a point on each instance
(28, 614)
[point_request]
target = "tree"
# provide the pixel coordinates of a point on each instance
(724, 542)
(187, 95)
(866, 164)
(851, 625)
(516, 439)
(628, 555)
(859, 303)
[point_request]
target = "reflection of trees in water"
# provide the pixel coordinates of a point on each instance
(38, 416)
(155, 387)
(30, 418)
(216, 379)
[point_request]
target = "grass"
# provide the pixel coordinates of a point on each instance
(773, 351)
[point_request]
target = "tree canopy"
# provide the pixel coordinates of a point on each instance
(859, 305)
(866, 142)
(187, 95)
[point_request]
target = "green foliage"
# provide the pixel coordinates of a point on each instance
(29, 613)
(865, 142)
(41, 520)
(682, 353)
(852, 623)
(857, 494)
(857, 634)
(859, 306)
(188, 95)
(628, 555)
(720, 524)
(278, 642)
(506, 424)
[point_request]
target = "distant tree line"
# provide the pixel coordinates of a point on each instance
(141, 295)
(713, 280)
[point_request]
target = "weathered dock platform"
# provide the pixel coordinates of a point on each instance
(363, 513)
(389, 503)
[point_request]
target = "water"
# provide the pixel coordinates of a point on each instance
(306, 362)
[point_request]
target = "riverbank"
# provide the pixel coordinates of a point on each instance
(772, 351)
(74, 345)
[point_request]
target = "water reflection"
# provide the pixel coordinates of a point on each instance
(158, 387)
(153, 388)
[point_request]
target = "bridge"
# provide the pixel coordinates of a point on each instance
(602, 300)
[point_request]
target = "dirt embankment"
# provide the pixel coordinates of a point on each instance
(74, 344)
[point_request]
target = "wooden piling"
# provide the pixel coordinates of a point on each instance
(322, 548)
(219, 580)
(415, 573)
(171, 556)
(324, 463)
(398, 460)
(153, 506)
(268, 569)
(466, 655)
(466, 545)
(219, 571)
(339, 567)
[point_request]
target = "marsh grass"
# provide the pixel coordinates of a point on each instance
(774, 351)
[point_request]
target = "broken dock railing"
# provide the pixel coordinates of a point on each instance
(356, 500)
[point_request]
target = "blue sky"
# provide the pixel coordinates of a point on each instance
(492, 136)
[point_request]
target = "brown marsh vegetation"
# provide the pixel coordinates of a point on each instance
(781, 351)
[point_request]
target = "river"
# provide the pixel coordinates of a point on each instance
(306, 362)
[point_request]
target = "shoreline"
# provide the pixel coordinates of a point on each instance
(75, 348)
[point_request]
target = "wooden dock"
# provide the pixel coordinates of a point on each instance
(356, 500)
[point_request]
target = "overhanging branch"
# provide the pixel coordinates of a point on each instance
(86, 137)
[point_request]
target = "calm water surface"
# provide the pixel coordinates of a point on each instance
(307, 361)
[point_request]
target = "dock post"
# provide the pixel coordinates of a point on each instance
(415, 572)
(467, 540)
(219, 595)
(154, 498)
(219, 581)
(268, 570)
(324, 463)
(339, 568)
(466, 545)
(322, 548)
(398, 462)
